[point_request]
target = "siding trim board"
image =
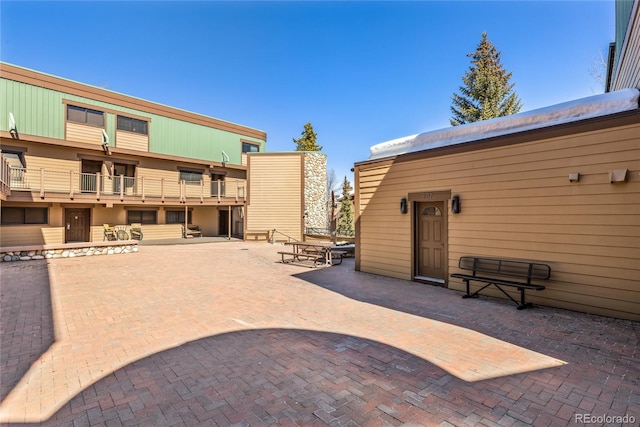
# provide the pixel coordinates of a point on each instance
(66, 101)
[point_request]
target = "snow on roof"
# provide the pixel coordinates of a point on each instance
(580, 109)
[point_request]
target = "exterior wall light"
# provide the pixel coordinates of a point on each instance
(404, 208)
(456, 207)
(574, 177)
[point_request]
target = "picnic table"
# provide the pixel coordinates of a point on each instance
(319, 252)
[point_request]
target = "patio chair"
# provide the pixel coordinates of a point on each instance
(136, 231)
(109, 232)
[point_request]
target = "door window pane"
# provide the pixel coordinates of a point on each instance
(431, 211)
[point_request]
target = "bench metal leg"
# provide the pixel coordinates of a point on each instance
(520, 305)
(475, 294)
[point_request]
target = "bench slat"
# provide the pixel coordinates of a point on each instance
(499, 281)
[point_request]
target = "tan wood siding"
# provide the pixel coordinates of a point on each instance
(517, 202)
(153, 180)
(82, 133)
(275, 194)
(29, 235)
(150, 232)
(58, 173)
(132, 141)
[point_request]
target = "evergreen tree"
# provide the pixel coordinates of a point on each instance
(345, 215)
(307, 142)
(487, 92)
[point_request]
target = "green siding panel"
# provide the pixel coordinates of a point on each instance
(37, 111)
(40, 112)
(177, 138)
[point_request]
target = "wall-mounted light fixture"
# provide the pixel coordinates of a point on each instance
(404, 208)
(105, 143)
(225, 158)
(456, 208)
(618, 175)
(574, 177)
(13, 129)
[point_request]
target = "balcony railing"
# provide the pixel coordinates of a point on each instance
(46, 182)
(5, 177)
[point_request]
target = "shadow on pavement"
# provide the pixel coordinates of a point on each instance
(26, 322)
(263, 377)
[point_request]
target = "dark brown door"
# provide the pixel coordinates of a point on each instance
(431, 242)
(223, 222)
(76, 225)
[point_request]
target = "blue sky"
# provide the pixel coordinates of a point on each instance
(361, 72)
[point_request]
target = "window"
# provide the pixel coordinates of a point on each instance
(247, 147)
(133, 125)
(129, 172)
(143, 217)
(85, 115)
(177, 217)
(17, 165)
(15, 215)
(15, 158)
(431, 211)
(192, 177)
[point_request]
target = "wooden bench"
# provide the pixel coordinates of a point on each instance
(191, 230)
(502, 272)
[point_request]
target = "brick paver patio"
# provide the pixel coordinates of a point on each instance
(223, 334)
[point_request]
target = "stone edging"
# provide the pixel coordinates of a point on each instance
(12, 254)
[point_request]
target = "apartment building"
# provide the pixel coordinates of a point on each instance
(76, 157)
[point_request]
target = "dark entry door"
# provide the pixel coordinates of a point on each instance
(76, 225)
(431, 242)
(223, 222)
